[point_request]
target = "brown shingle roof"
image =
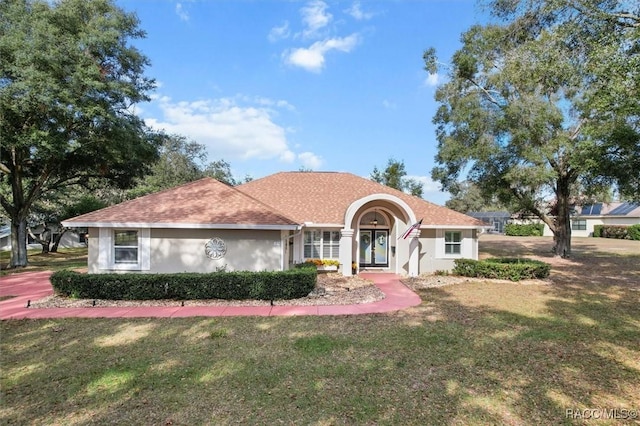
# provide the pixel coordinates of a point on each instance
(323, 197)
(202, 202)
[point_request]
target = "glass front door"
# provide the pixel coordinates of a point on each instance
(374, 247)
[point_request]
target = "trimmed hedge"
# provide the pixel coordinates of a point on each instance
(503, 268)
(524, 230)
(277, 285)
(620, 232)
(597, 230)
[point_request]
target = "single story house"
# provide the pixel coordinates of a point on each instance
(276, 221)
(496, 220)
(586, 217)
(68, 240)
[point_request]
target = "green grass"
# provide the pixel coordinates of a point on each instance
(64, 258)
(490, 353)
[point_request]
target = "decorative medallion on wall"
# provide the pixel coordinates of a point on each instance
(215, 248)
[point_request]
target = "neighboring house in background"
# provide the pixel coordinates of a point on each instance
(5, 237)
(276, 221)
(496, 220)
(70, 239)
(586, 217)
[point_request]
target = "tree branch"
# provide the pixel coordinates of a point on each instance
(577, 130)
(486, 92)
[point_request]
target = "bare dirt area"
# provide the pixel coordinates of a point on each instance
(593, 262)
(597, 261)
(331, 289)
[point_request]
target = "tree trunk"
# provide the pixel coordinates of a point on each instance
(57, 239)
(45, 241)
(18, 243)
(562, 231)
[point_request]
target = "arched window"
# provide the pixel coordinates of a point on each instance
(373, 218)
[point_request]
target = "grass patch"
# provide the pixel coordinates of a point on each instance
(318, 345)
(472, 353)
(64, 258)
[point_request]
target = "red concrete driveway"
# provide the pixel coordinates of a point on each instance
(35, 285)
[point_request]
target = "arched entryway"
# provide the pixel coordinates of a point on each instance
(373, 240)
(370, 237)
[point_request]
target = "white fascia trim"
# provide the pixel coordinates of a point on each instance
(179, 226)
(455, 227)
(323, 225)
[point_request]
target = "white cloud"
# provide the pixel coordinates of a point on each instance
(310, 160)
(287, 157)
(315, 17)
(279, 33)
(313, 57)
(428, 185)
(182, 14)
(228, 129)
(432, 80)
(357, 13)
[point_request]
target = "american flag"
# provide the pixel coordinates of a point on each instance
(411, 228)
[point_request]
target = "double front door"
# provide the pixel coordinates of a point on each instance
(374, 247)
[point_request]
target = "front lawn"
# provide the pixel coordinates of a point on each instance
(490, 353)
(38, 261)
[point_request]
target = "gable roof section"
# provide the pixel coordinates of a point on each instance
(201, 204)
(323, 198)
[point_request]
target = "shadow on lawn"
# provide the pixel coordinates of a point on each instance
(470, 365)
(461, 357)
(582, 353)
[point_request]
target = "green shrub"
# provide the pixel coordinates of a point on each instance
(514, 269)
(619, 232)
(524, 230)
(277, 285)
(597, 230)
(309, 265)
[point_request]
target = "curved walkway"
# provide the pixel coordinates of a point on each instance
(35, 285)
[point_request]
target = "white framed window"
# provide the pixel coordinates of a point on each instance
(452, 243)
(126, 247)
(579, 224)
(330, 244)
(320, 244)
(312, 244)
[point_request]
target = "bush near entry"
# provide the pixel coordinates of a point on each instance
(524, 230)
(504, 268)
(277, 285)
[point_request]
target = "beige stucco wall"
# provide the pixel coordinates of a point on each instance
(432, 248)
(183, 250)
(92, 261)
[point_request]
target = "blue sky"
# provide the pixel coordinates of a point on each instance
(274, 86)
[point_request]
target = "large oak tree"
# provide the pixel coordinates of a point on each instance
(543, 101)
(69, 79)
